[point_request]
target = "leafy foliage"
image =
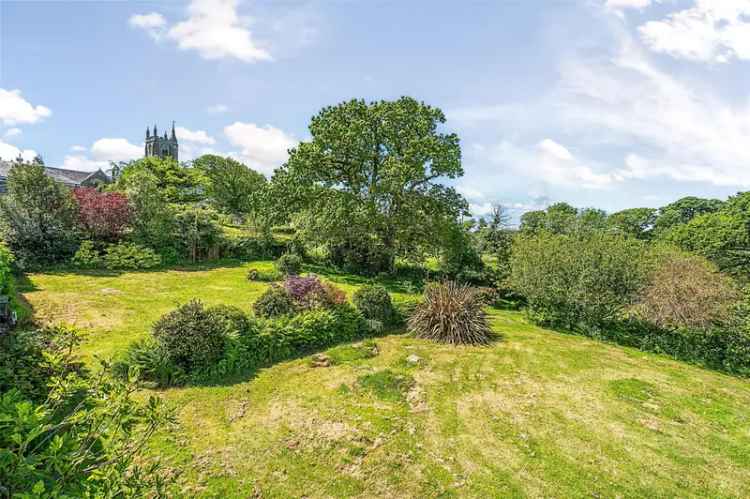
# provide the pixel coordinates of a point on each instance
(686, 291)
(634, 222)
(119, 256)
(38, 217)
(177, 183)
(190, 336)
(451, 313)
(683, 211)
(573, 281)
(365, 185)
(310, 292)
(274, 302)
(289, 264)
(233, 187)
(103, 216)
(374, 303)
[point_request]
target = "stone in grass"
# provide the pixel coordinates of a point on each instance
(413, 360)
(320, 360)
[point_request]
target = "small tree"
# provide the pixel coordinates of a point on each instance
(103, 216)
(574, 281)
(687, 291)
(232, 187)
(152, 219)
(38, 217)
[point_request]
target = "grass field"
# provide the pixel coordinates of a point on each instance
(536, 414)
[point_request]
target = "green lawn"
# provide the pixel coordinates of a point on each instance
(536, 414)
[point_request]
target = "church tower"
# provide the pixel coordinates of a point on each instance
(161, 147)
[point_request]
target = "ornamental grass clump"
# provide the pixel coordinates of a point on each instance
(451, 313)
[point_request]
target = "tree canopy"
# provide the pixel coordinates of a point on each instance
(368, 180)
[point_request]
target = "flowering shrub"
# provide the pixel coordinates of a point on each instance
(103, 216)
(310, 292)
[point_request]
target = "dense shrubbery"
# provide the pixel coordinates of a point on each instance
(274, 302)
(65, 434)
(686, 291)
(577, 282)
(289, 264)
(247, 342)
(119, 256)
(374, 303)
(38, 217)
(310, 292)
(451, 313)
(191, 336)
(103, 216)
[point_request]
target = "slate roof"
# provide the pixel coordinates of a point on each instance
(68, 177)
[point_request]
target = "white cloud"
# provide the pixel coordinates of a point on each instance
(77, 148)
(554, 150)
(627, 4)
(115, 149)
(710, 31)
(153, 23)
(9, 152)
(218, 108)
(262, 147)
(15, 109)
(213, 28)
(197, 136)
(83, 163)
(12, 132)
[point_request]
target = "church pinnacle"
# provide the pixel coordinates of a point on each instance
(162, 147)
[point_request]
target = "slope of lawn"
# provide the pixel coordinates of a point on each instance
(535, 414)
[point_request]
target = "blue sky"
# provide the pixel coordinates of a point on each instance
(606, 103)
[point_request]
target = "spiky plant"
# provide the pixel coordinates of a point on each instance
(451, 313)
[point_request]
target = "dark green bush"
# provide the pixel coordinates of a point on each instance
(252, 248)
(404, 309)
(374, 303)
(191, 336)
(232, 320)
(129, 256)
(289, 264)
(150, 362)
(263, 276)
(577, 282)
(274, 302)
(451, 313)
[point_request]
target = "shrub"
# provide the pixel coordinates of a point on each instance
(38, 217)
(103, 216)
(459, 254)
(129, 256)
(150, 362)
(198, 235)
(232, 320)
(577, 281)
(686, 291)
(274, 302)
(87, 256)
(289, 264)
(263, 276)
(451, 313)
(190, 336)
(310, 292)
(374, 303)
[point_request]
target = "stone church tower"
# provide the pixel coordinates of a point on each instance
(161, 147)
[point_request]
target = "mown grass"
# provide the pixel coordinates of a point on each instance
(535, 414)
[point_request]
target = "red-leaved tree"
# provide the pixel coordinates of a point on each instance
(103, 216)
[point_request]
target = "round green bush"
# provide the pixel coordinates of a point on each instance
(289, 264)
(232, 319)
(374, 303)
(274, 302)
(191, 336)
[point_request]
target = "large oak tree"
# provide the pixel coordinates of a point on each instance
(368, 182)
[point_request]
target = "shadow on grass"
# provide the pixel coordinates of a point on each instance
(394, 284)
(180, 267)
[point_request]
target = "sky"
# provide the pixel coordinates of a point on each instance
(600, 103)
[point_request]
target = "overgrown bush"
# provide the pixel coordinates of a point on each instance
(191, 336)
(451, 313)
(232, 320)
(310, 292)
(577, 282)
(103, 216)
(129, 256)
(150, 362)
(87, 256)
(686, 291)
(374, 303)
(274, 302)
(197, 235)
(263, 275)
(38, 217)
(289, 264)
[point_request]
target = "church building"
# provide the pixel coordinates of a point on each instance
(161, 147)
